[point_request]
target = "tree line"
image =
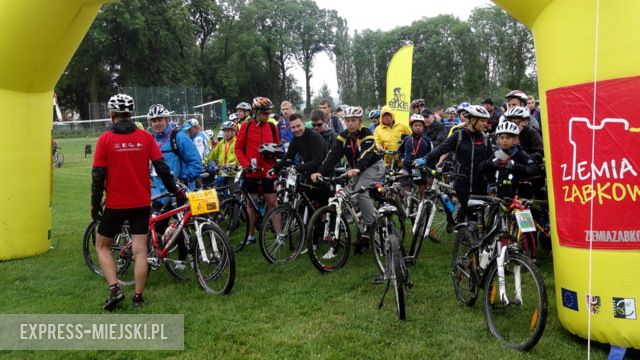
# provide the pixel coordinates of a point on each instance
(238, 49)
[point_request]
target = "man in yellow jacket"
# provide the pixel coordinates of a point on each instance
(224, 154)
(389, 134)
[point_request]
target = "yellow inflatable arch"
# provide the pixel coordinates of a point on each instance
(37, 40)
(589, 79)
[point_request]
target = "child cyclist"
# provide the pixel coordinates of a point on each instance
(418, 145)
(509, 164)
(224, 154)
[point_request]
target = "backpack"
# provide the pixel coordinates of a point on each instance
(174, 144)
(246, 134)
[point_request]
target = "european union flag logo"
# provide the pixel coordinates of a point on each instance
(570, 299)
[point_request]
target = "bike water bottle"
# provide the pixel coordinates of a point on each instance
(447, 201)
(168, 233)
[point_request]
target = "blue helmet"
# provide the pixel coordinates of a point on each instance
(375, 113)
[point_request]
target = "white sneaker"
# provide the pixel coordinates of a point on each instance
(330, 254)
(280, 240)
(179, 265)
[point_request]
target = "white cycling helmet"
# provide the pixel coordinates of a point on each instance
(477, 111)
(353, 111)
(269, 149)
(158, 111)
(507, 127)
(121, 104)
(229, 125)
(243, 106)
(518, 112)
(233, 117)
(208, 133)
(520, 95)
(416, 117)
(451, 110)
(462, 106)
(220, 135)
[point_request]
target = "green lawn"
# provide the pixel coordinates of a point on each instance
(273, 311)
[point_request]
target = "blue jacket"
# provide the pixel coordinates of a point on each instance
(415, 147)
(286, 135)
(186, 169)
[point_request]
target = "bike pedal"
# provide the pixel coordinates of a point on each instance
(377, 279)
(410, 260)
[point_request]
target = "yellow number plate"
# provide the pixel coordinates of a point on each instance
(204, 201)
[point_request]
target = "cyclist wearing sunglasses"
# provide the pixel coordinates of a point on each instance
(319, 125)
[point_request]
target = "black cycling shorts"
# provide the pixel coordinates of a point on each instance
(259, 186)
(113, 219)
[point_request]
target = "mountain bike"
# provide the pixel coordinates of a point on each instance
(294, 212)
(233, 217)
(515, 299)
(387, 243)
(329, 245)
(192, 246)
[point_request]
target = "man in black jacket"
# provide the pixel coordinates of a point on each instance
(433, 129)
(307, 144)
(311, 148)
(319, 126)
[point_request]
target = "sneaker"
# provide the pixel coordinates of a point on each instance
(250, 240)
(138, 301)
(179, 265)
(361, 246)
(332, 253)
(116, 295)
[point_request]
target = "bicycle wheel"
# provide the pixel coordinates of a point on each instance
(420, 226)
(463, 267)
(438, 232)
(399, 272)
(232, 218)
(120, 252)
(520, 321)
(179, 261)
(283, 246)
(217, 273)
(327, 251)
(58, 159)
(377, 241)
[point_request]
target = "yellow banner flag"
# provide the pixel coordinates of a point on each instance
(399, 83)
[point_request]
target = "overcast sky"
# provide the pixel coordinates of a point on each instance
(379, 15)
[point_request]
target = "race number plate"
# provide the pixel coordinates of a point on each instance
(204, 201)
(525, 221)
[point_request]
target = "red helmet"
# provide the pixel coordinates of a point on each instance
(261, 103)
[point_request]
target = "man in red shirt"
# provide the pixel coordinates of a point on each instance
(121, 167)
(256, 134)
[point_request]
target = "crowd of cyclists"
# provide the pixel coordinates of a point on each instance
(483, 145)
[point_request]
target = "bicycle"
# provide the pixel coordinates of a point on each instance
(434, 217)
(295, 210)
(203, 247)
(387, 244)
(328, 248)
(58, 157)
(233, 213)
(515, 299)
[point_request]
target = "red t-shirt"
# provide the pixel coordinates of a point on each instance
(126, 157)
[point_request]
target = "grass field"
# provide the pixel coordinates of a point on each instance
(285, 312)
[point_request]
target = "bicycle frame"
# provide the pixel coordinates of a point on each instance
(159, 252)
